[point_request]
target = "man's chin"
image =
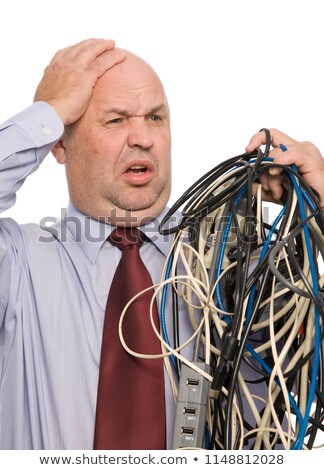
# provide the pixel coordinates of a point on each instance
(133, 217)
(138, 214)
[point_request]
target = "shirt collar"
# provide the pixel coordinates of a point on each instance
(91, 234)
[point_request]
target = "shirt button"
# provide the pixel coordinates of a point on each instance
(46, 130)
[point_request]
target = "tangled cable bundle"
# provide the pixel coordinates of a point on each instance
(254, 295)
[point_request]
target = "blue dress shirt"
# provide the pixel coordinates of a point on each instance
(54, 284)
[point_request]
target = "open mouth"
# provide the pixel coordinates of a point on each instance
(137, 170)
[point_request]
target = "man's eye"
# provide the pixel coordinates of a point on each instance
(115, 121)
(156, 117)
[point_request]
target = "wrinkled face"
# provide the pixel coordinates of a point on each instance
(118, 155)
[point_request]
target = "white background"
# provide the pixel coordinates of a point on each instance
(229, 68)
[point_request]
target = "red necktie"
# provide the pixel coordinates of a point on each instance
(130, 404)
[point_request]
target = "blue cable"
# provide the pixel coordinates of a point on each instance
(162, 311)
(269, 371)
(220, 261)
(222, 250)
(312, 389)
(262, 254)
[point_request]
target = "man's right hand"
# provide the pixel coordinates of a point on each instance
(70, 77)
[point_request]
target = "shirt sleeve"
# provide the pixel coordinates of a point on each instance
(25, 140)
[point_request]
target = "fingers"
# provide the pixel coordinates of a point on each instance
(287, 152)
(272, 180)
(272, 184)
(277, 138)
(266, 195)
(106, 61)
(71, 76)
(96, 56)
(85, 51)
(89, 50)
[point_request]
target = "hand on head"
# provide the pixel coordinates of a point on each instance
(304, 155)
(71, 75)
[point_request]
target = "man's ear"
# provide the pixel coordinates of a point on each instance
(59, 152)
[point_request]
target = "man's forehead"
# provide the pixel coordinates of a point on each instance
(128, 85)
(124, 97)
(133, 73)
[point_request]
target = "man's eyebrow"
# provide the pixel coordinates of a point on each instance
(124, 112)
(158, 109)
(115, 111)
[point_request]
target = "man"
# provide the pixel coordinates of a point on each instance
(116, 149)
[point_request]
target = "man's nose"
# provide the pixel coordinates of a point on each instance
(140, 134)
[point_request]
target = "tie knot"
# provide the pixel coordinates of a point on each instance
(123, 237)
